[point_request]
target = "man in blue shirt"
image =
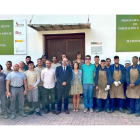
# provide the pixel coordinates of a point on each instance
(133, 86)
(102, 82)
(116, 90)
(88, 71)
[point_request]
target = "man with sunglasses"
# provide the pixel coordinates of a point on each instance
(89, 71)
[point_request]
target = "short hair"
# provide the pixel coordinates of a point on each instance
(139, 58)
(96, 56)
(116, 57)
(74, 64)
(1, 67)
(108, 59)
(88, 56)
(48, 60)
(39, 59)
(8, 62)
(30, 62)
(103, 60)
(28, 57)
(54, 56)
(135, 57)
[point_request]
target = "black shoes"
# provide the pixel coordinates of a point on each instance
(38, 113)
(31, 113)
(131, 112)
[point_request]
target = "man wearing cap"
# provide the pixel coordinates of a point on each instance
(116, 90)
(133, 86)
(16, 80)
(127, 100)
(102, 82)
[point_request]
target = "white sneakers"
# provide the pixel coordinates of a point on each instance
(86, 110)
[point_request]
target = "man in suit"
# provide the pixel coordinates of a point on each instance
(64, 77)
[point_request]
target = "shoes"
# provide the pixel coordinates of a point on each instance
(85, 110)
(91, 110)
(137, 115)
(77, 110)
(45, 111)
(58, 112)
(13, 116)
(53, 111)
(22, 114)
(31, 113)
(121, 110)
(74, 110)
(131, 112)
(98, 110)
(39, 113)
(112, 110)
(6, 116)
(67, 112)
(107, 110)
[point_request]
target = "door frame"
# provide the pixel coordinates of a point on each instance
(63, 36)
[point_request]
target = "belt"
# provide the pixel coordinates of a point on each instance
(17, 87)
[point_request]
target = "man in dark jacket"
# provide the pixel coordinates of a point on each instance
(63, 76)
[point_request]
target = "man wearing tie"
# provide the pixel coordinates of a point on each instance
(64, 77)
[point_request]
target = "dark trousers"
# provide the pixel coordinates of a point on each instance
(119, 101)
(100, 103)
(60, 93)
(135, 105)
(40, 94)
(46, 94)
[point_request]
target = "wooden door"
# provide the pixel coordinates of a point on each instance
(68, 43)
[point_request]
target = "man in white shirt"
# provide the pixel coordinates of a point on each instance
(48, 78)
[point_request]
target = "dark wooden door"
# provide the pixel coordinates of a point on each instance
(69, 44)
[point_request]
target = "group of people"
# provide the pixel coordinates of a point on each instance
(104, 86)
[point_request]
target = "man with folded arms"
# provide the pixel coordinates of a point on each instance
(102, 83)
(48, 77)
(16, 80)
(116, 90)
(133, 86)
(33, 79)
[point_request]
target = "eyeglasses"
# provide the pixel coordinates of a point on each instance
(88, 59)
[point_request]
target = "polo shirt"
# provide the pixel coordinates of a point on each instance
(88, 73)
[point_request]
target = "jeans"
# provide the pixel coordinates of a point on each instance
(46, 94)
(119, 101)
(3, 99)
(88, 95)
(135, 105)
(100, 102)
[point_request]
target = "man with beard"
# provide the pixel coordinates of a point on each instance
(133, 86)
(16, 80)
(116, 90)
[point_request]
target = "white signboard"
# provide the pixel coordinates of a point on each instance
(20, 36)
(96, 48)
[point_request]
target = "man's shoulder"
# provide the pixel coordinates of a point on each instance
(59, 67)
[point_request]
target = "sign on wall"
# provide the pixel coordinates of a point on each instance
(12, 37)
(96, 47)
(128, 33)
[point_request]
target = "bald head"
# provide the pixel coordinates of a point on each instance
(65, 61)
(16, 67)
(21, 65)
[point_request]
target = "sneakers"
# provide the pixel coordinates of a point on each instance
(38, 114)
(6, 116)
(85, 110)
(22, 114)
(91, 110)
(137, 115)
(121, 110)
(13, 116)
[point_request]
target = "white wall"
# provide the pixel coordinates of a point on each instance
(103, 28)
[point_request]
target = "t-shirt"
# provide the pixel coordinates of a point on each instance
(55, 65)
(39, 71)
(2, 83)
(21, 71)
(88, 73)
(32, 77)
(16, 78)
(6, 72)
